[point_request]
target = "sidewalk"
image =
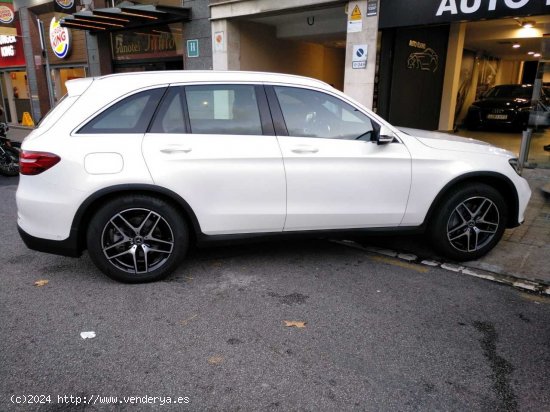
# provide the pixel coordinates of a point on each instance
(18, 133)
(523, 252)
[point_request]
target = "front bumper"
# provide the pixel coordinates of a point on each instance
(524, 195)
(481, 118)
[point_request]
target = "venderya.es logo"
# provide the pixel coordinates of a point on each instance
(65, 4)
(60, 39)
(6, 15)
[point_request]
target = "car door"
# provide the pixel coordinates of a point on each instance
(213, 144)
(337, 175)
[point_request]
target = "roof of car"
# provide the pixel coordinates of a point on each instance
(175, 76)
(136, 80)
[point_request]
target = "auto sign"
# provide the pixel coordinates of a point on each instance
(6, 15)
(60, 39)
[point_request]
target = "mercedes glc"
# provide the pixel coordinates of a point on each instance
(136, 167)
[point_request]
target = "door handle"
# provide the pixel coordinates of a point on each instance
(176, 149)
(304, 149)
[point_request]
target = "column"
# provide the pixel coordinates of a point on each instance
(359, 83)
(451, 82)
(226, 45)
(36, 74)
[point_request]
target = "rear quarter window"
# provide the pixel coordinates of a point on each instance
(130, 115)
(56, 112)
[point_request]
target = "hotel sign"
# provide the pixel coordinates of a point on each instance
(159, 42)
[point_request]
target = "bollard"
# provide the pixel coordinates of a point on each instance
(524, 148)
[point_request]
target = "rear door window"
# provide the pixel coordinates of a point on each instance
(170, 117)
(223, 109)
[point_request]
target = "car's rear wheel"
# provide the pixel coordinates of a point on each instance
(469, 222)
(137, 238)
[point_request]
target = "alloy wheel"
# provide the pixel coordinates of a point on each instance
(137, 240)
(473, 224)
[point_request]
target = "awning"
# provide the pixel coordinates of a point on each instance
(124, 18)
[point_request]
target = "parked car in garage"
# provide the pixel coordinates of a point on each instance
(505, 107)
(135, 167)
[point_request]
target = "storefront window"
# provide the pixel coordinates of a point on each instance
(61, 75)
(539, 120)
(15, 96)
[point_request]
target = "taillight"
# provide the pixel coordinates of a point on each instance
(34, 163)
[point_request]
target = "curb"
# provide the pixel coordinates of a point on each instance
(20, 127)
(509, 280)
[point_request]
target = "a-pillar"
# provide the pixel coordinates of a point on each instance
(226, 45)
(451, 82)
(359, 83)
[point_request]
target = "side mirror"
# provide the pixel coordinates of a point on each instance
(385, 135)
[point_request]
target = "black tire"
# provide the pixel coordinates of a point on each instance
(9, 162)
(469, 222)
(137, 238)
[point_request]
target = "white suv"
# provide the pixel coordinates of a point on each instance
(134, 167)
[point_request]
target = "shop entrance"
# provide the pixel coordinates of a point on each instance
(498, 53)
(308, 42)
(15, 96)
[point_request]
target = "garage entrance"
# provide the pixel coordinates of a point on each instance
(306, 41)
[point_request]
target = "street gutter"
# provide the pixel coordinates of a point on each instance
(540, 287)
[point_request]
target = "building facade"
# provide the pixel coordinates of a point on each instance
(418, 64)
(64, 39)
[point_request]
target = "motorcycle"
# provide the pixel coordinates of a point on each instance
(9, 153)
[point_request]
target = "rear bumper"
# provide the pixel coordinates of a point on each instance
(67, 247)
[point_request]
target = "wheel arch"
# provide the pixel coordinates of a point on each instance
(497, 180)
(86, 210)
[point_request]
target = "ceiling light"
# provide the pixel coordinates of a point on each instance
(516, 45)
(536, 55)
(526, 24)
(531, 52)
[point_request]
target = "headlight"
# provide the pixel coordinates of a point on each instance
(525, 109)
(515, 165)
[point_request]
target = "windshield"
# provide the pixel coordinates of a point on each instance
(510, 91)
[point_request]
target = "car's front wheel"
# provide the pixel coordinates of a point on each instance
(469, 222)
(137, 238)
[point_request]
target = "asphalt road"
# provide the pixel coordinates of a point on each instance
(378, 335)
